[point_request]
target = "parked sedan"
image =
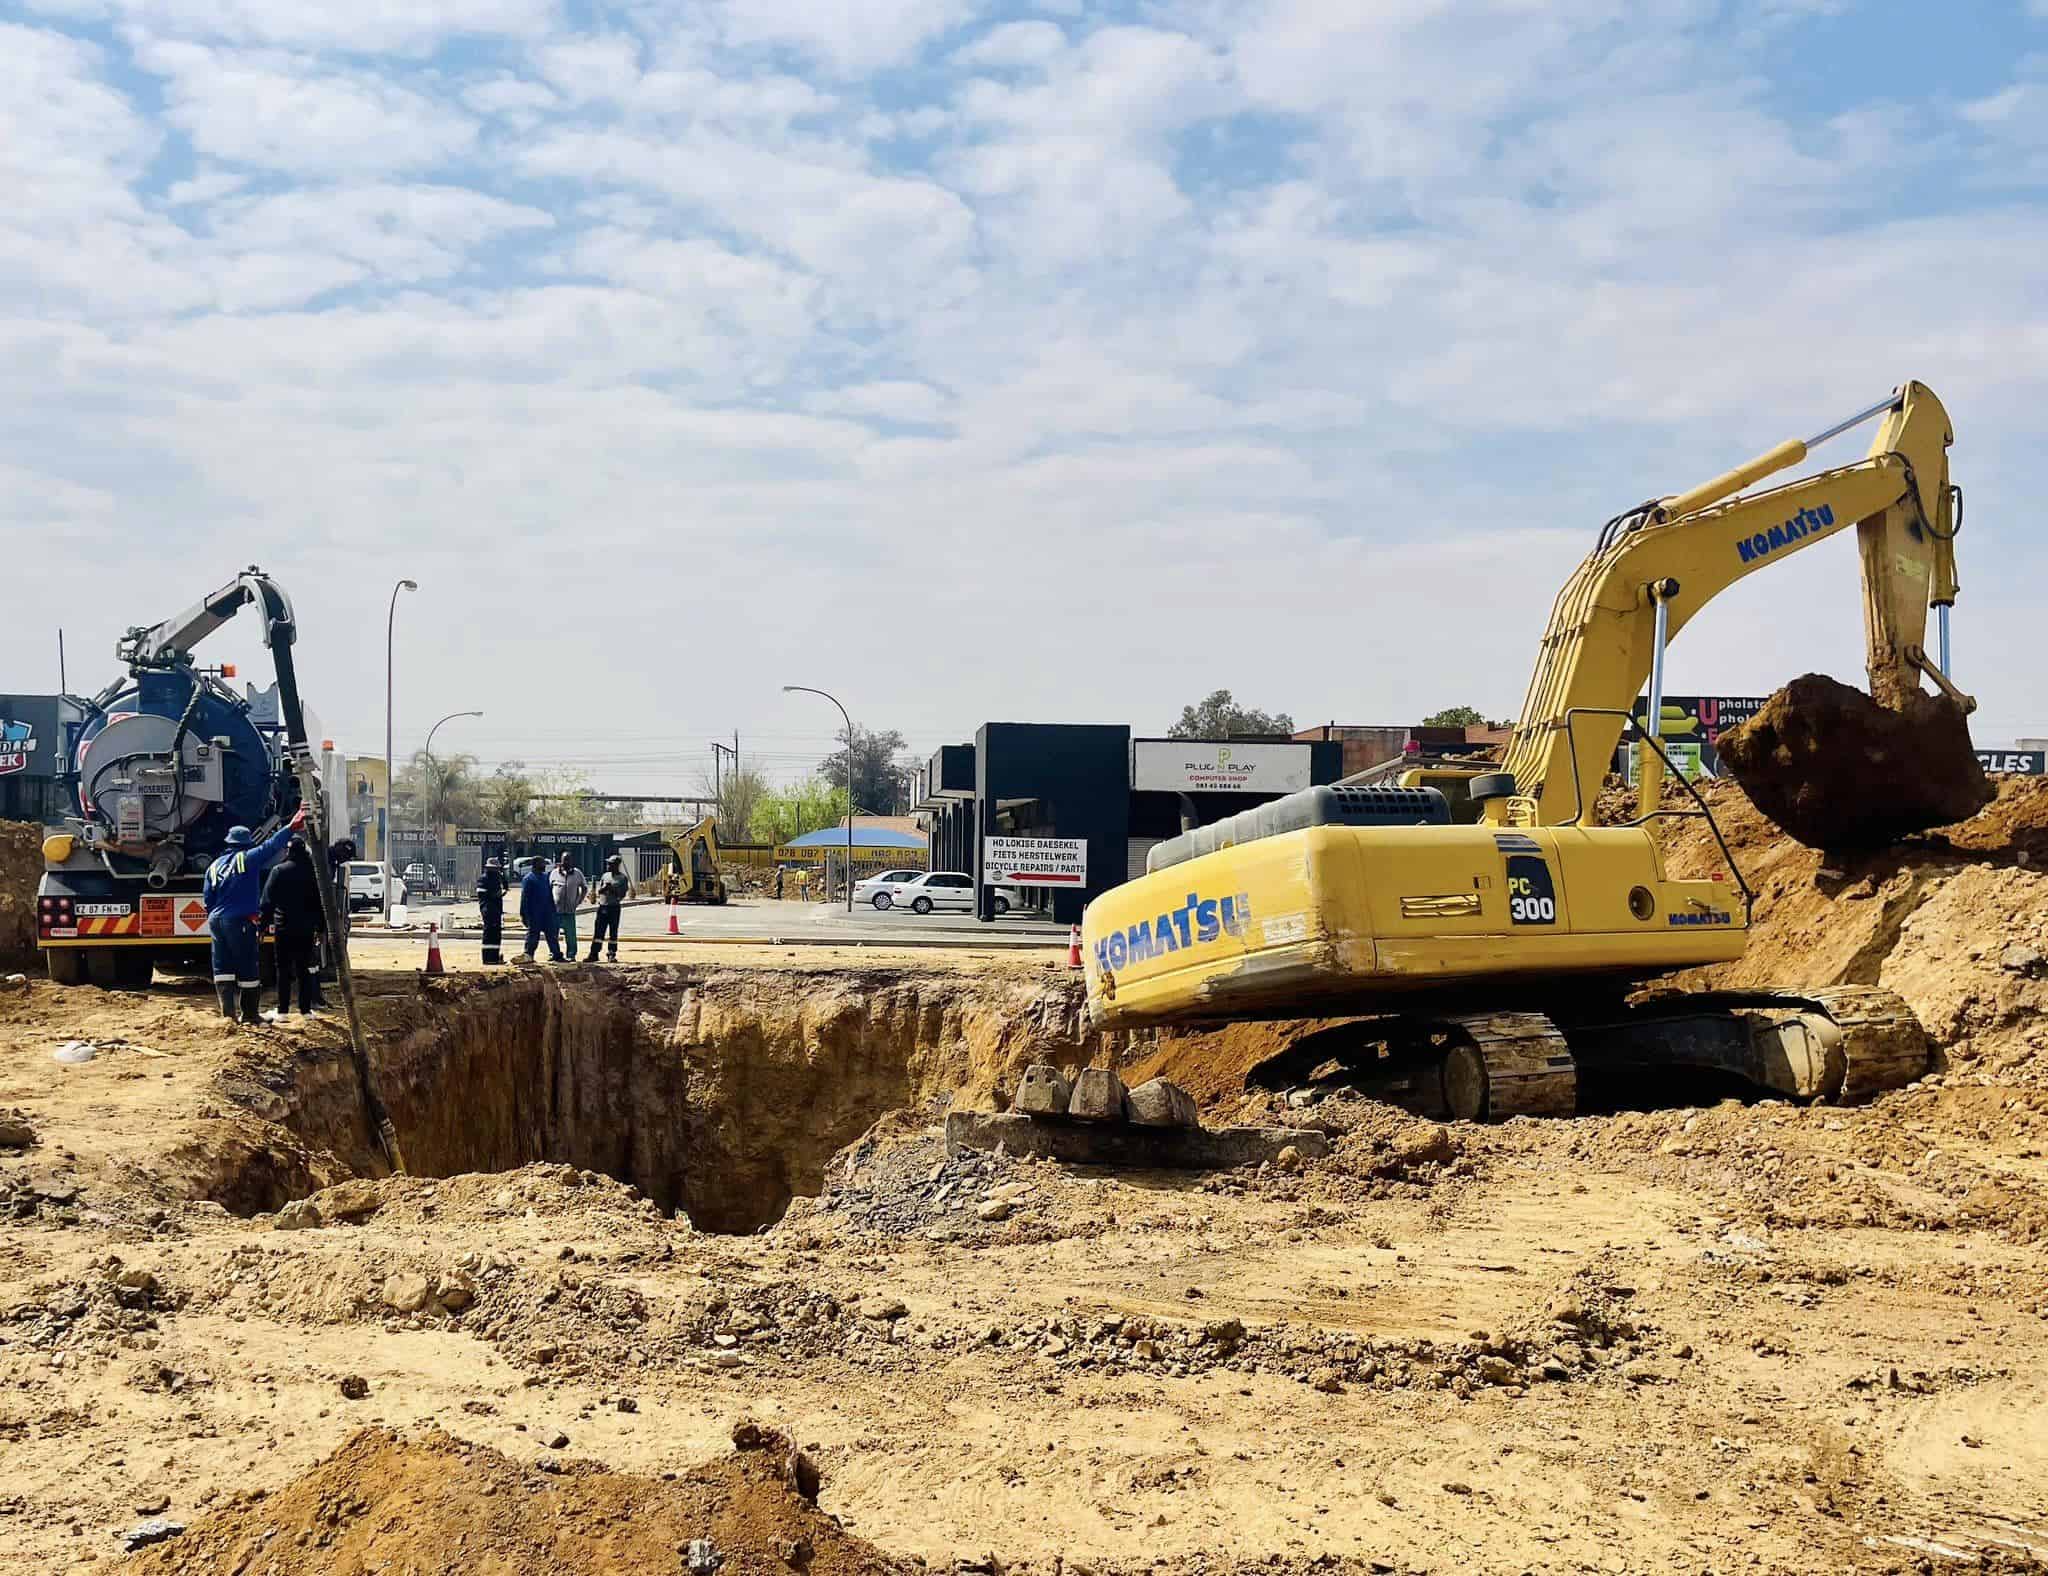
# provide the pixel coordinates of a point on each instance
(367, 882)
(952, 889)
(880, 890)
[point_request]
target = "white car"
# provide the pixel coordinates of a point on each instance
(880, 890)
(926, 891)
(367, 882)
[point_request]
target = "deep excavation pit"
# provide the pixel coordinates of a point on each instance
(721, 1095)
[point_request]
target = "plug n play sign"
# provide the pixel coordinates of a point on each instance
(1035, 861)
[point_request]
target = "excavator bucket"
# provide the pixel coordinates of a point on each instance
(1838, 771)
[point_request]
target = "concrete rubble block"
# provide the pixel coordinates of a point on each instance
(1043, 1091)
(1098, 1096)
(1135, 1148)
(1161, 1103)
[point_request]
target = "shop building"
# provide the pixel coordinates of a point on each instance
(1065, 811)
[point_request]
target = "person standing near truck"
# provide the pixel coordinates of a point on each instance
(291, 912)
(569, 886)
(612, 890)
(233, 894)
(490, 903)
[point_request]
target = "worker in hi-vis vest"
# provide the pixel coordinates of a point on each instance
(233, 894)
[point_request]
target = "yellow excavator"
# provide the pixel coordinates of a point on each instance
(693, 872)
(1492, 963)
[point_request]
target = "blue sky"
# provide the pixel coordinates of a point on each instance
(981, 360)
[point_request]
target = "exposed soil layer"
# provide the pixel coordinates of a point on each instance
(21, 866)
(436, 1506)
(1745, 1337)
(722, 1095)
(1838, 771)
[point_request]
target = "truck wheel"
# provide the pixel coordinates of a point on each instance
(66, 965)
(134, 968)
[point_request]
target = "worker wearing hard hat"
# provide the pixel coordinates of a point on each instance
(233, 894)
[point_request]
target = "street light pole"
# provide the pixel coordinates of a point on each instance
(390, 782)
(807, 690)
(440, 787)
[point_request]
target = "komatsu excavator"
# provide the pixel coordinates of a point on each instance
(1491, 962)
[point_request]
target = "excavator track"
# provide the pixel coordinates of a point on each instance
(1503, 1064)
(1883, 1044)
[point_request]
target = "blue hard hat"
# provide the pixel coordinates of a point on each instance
(239, 836)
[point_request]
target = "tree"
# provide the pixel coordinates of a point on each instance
(785, 813)
(508, 798)
(1220, 717)
(879, 764)
(739, 792)
(1454, 717)
(436, 790)
(558, 804)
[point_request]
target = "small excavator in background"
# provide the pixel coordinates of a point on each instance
(1491, 962)
(695, 852)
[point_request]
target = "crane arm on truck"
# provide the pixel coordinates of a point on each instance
(154, 796)
(1658, 565)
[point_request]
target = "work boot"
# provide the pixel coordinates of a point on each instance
(252, 999)
(611, 957)
(225, 990)
(590, 956)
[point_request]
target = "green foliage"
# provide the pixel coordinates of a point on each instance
(784, 813)
(1454, 717)
(1220, 717)
(879, 770)
(439, 788)
(739, 793)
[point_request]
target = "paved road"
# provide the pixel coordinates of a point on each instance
(755, 918)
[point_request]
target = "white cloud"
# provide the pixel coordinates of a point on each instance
(367, 26)
(1310, 326)
(848, 36)
(290, 113)
(1012, 45)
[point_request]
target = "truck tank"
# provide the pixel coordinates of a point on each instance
(133, 805)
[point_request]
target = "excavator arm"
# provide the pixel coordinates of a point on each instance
(1657, 566)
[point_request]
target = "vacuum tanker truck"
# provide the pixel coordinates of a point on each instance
(162, 763)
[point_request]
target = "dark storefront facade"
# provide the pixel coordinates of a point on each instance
(35, 738)
(1093, 785)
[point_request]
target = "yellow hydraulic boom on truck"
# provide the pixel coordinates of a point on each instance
(1497, 959)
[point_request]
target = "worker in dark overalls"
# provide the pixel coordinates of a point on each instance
(490, 899)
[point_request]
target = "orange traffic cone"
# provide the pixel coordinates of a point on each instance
(434, 964)
(1074, 947)
(673, 928)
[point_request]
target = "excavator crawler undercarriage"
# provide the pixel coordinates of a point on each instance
(1842, 1043)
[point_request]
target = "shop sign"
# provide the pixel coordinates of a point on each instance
(2026, 763)
(18, 742)
(1035, 861)
(1691, 726)
(1205, 766)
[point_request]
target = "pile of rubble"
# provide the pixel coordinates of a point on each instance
(1584, 1334)
(114, 1310)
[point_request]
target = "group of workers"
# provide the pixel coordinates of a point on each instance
(271, 886)
(548, 901)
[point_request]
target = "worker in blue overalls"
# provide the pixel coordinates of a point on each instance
(233, 894)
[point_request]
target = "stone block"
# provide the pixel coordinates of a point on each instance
(1098, 1096)
(1158, 1103)
(1043, 1091)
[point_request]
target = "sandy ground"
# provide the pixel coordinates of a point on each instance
(1724, 1338)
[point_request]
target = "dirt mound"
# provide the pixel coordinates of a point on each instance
(438, 1507)
(1955, 921)
(1838, 771)
(21, 867)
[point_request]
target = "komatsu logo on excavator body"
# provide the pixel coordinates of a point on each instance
(1802, 524)
(1197, 920)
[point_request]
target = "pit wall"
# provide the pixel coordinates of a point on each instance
(721, 1095)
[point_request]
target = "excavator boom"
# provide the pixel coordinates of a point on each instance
(1681, 552)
